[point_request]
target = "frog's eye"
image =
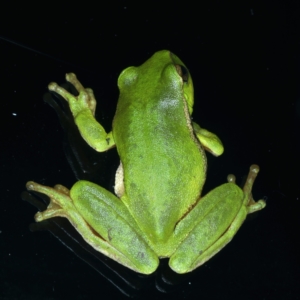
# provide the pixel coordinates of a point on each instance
(183, 72)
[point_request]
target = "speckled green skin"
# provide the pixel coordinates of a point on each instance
(158, 211)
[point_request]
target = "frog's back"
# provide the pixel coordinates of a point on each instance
(162, 160)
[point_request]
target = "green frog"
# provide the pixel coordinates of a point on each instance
(157, 210)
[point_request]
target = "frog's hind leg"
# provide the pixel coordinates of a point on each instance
(217, 218)
(102, 220)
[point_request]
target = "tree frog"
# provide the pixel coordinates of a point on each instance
(158, 210)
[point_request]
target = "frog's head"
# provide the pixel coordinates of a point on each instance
(162, 74)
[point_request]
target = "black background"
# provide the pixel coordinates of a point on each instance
(244, 60)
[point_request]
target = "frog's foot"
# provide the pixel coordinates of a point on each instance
(252, 206)
(60, 201)
(85, 100)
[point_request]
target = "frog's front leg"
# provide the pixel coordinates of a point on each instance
(208, 140)
(213, 222)
(102, 220)
(83, 109)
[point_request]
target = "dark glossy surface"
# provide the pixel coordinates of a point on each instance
(244, 60)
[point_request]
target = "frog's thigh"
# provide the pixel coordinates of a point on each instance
(109, 218)
(211, 225)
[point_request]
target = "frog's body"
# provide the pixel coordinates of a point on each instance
(170, 149)
(160, 178)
